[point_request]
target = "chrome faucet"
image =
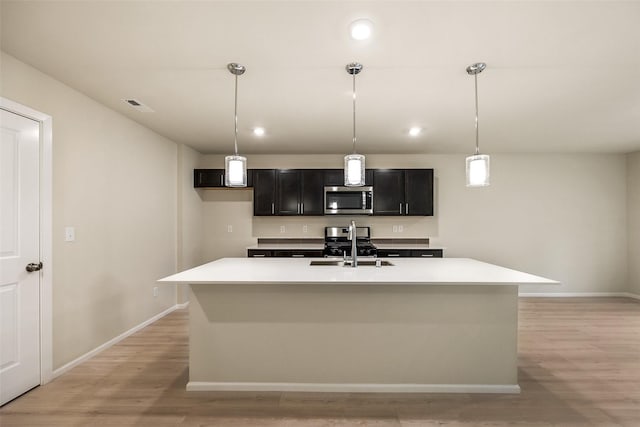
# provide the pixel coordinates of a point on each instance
(353, 236)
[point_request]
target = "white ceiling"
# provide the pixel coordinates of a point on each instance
(561, 77)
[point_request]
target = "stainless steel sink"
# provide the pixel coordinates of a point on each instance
(363, 263)
(326, 262)
(383, 263)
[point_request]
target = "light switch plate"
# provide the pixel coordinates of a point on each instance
(69, 234)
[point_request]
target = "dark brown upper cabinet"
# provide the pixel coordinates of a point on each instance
(214, 178)
(288, 192)
(403, 192)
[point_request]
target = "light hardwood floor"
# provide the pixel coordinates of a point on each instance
(579, 365)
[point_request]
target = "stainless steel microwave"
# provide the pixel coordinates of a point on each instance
(348, 200)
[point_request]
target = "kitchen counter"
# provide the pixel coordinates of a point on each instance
(407, 271)
(421, 325)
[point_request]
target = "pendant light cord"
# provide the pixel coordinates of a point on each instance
(477, 139)
(354, 111)
(235, 114)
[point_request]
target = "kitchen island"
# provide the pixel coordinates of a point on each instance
(419, 325)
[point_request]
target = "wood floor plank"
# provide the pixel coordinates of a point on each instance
(579, 365)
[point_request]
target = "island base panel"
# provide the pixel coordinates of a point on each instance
(438, 338)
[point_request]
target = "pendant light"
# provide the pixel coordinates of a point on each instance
(235, 167)
(354, 163)
(478, 164)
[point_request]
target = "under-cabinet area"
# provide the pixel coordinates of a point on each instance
(301, 192)
(337, 244)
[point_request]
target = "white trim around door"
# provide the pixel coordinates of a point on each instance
(46, 229)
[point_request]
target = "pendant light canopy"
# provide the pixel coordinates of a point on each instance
(235, 167)
(354, 163)
(478, 164)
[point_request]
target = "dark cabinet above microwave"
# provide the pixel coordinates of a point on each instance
(335, 177)
(297, 192)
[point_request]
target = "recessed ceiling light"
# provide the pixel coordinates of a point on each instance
(258, 131)
(361, 29)
(415, 131)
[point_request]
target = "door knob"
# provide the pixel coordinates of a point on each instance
(31, 267)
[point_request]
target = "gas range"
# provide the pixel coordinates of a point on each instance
(336, 242)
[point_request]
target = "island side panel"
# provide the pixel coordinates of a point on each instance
(353, 334)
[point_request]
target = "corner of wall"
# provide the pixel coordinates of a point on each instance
(633, 223)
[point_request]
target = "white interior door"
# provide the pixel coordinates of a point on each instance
(19, 246)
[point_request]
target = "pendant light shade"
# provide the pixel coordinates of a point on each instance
(235, 166)
(478, 170)
(354, 163)
(354, 170)
(478, 164)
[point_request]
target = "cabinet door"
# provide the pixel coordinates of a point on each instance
(259, 253)
(426, 253)
(390, 253)
(264, 192)
(334, 177)
(287, 192)
(312, 192)
(208, 178)
(388, 192)
(418, 192)
(300, 253)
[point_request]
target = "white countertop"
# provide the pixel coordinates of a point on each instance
(405, 271)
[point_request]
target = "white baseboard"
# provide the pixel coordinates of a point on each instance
(182, 305)
(67, 367)
(576, 294)
(355, 388)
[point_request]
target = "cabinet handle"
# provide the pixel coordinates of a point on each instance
(427, 255)
(406, 208)
(273, 210)
(400, 208)
(302, 208)
(393, 254)
(257, 255)
(222, 180)
(297, 255)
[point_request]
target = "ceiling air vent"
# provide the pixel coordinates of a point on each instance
(134, 103)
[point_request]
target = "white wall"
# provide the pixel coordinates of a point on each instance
(559, 216)
(115, 182)
(633, 215)
(190, 216)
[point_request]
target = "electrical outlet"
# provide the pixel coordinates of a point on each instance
(282, 229)
(394, 228)
(155, 291)
(400, 229)
(229, 228)
(305, 229)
